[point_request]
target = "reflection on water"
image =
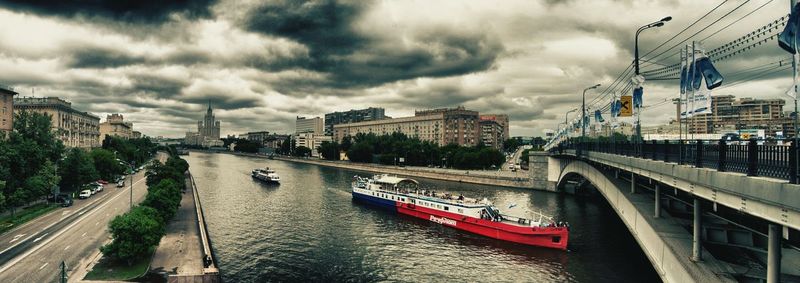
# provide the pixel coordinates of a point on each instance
(308, 228)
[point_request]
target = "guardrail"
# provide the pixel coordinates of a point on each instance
(209, 266)
(748, 157)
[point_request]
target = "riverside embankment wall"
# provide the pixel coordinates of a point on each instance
(481, 177)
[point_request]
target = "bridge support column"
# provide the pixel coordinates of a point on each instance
(658, 201)
(633, 183)
(697, 252)
(774, 254)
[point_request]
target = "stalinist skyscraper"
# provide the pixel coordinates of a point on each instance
(209, 127)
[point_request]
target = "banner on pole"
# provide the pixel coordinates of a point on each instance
(626, 106)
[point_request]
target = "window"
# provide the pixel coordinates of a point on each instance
(460, 210)
(446, 208)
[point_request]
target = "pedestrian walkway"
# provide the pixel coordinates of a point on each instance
(180, 251)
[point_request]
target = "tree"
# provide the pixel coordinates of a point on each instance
(2, 198)
(302, 151)
(105, 164)
(244, 145)
(23, 154)
(512, 144)
(285, 148)
(347, 142)
(329, 150)
(134, 235)
(77, 169)
(164, 197)
(360, 152)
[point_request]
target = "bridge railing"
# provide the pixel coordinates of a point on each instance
(748, 157)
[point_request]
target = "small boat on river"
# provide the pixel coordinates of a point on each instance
(266, 175)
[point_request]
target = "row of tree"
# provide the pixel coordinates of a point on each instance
(33, 160)
(397, 148)
(136, 234)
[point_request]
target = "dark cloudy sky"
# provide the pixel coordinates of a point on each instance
(261, 63)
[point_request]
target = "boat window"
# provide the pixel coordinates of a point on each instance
(446, 208)
(413, 201)
(460, 210)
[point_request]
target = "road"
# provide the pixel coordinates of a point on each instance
(33, 252)
(513, 160)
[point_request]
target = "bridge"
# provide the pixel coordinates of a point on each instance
(702, 211)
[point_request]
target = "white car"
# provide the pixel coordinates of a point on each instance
(121, 184)
(85, 194)
(98, 188)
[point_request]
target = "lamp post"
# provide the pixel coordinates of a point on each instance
(583, 113)
(659, 23)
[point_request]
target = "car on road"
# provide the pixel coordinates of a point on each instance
(121, 184)
(66, 202)
(102, 182)
(85, 194)
(98, 188)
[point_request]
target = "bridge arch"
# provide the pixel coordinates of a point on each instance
(667, 264)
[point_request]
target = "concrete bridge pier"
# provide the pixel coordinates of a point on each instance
(774, 254)
(697, 252)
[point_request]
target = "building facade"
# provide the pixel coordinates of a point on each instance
(501, 119)
(353, 116)
(305, 125)
(73, 127)
(192, 138)
(209, 127)
(6, 110)
(729, 115)
(442, 126)
(312, 141)
(115, 125)
(492, 133)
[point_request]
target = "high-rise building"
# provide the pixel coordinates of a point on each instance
(492, 133)
(304, 125)
(501, 119)
(442, 126)
(115, 125)
(729, 114)
(352, 116)
(6, 109)
(209, 127)
(73, 127)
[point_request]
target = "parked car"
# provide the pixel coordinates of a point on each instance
(102, 182)
(85, 194)
(121, 184)
(93, 190)
(98, 188)
(66, 202)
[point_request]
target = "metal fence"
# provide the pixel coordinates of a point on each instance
(748, 157)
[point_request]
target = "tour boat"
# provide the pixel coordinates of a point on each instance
(476, 216)
(266, 175)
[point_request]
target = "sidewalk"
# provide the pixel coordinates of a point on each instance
(180, 250)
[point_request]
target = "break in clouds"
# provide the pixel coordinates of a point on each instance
(261, 63)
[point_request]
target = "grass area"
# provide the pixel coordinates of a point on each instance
(107, 270)
(25, 215)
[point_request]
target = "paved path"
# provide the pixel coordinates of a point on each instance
(73, 235)
(180, 250)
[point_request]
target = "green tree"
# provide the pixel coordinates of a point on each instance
(244, 145)
(285, 148)
(105, 164)
(23, 154)
(164, 197)
(302, 151)
(360, 152)
(134, 235)
(2, 197)
(77, 169)
(347, 142)
(329, 150)
(42, 183)
(511, 144)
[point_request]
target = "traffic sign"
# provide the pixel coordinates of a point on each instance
(626, 109)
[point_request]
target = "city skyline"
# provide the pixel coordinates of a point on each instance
(266, 63)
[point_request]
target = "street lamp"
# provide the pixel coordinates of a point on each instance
(659, 23)
(583, 111)
(567, 114)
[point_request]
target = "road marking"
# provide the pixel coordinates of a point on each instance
(106, 214)
(30, 251)
(65, 212)
(43, 265)
(67, 248)
(95, 224)
(84, 234)
(37, 239)
(17, 237)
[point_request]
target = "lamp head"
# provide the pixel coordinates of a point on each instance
(658, 24)
(667, 19)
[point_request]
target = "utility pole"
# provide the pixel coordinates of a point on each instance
(795, 57)
(63, 277)
(132, 173)
(659, 23)
(583, 114)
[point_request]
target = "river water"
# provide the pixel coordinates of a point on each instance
(308, 229)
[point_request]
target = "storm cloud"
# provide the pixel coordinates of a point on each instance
(262, 63)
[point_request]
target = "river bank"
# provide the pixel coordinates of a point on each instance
(480, 177)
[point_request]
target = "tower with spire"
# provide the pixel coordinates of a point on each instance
(209, 127)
